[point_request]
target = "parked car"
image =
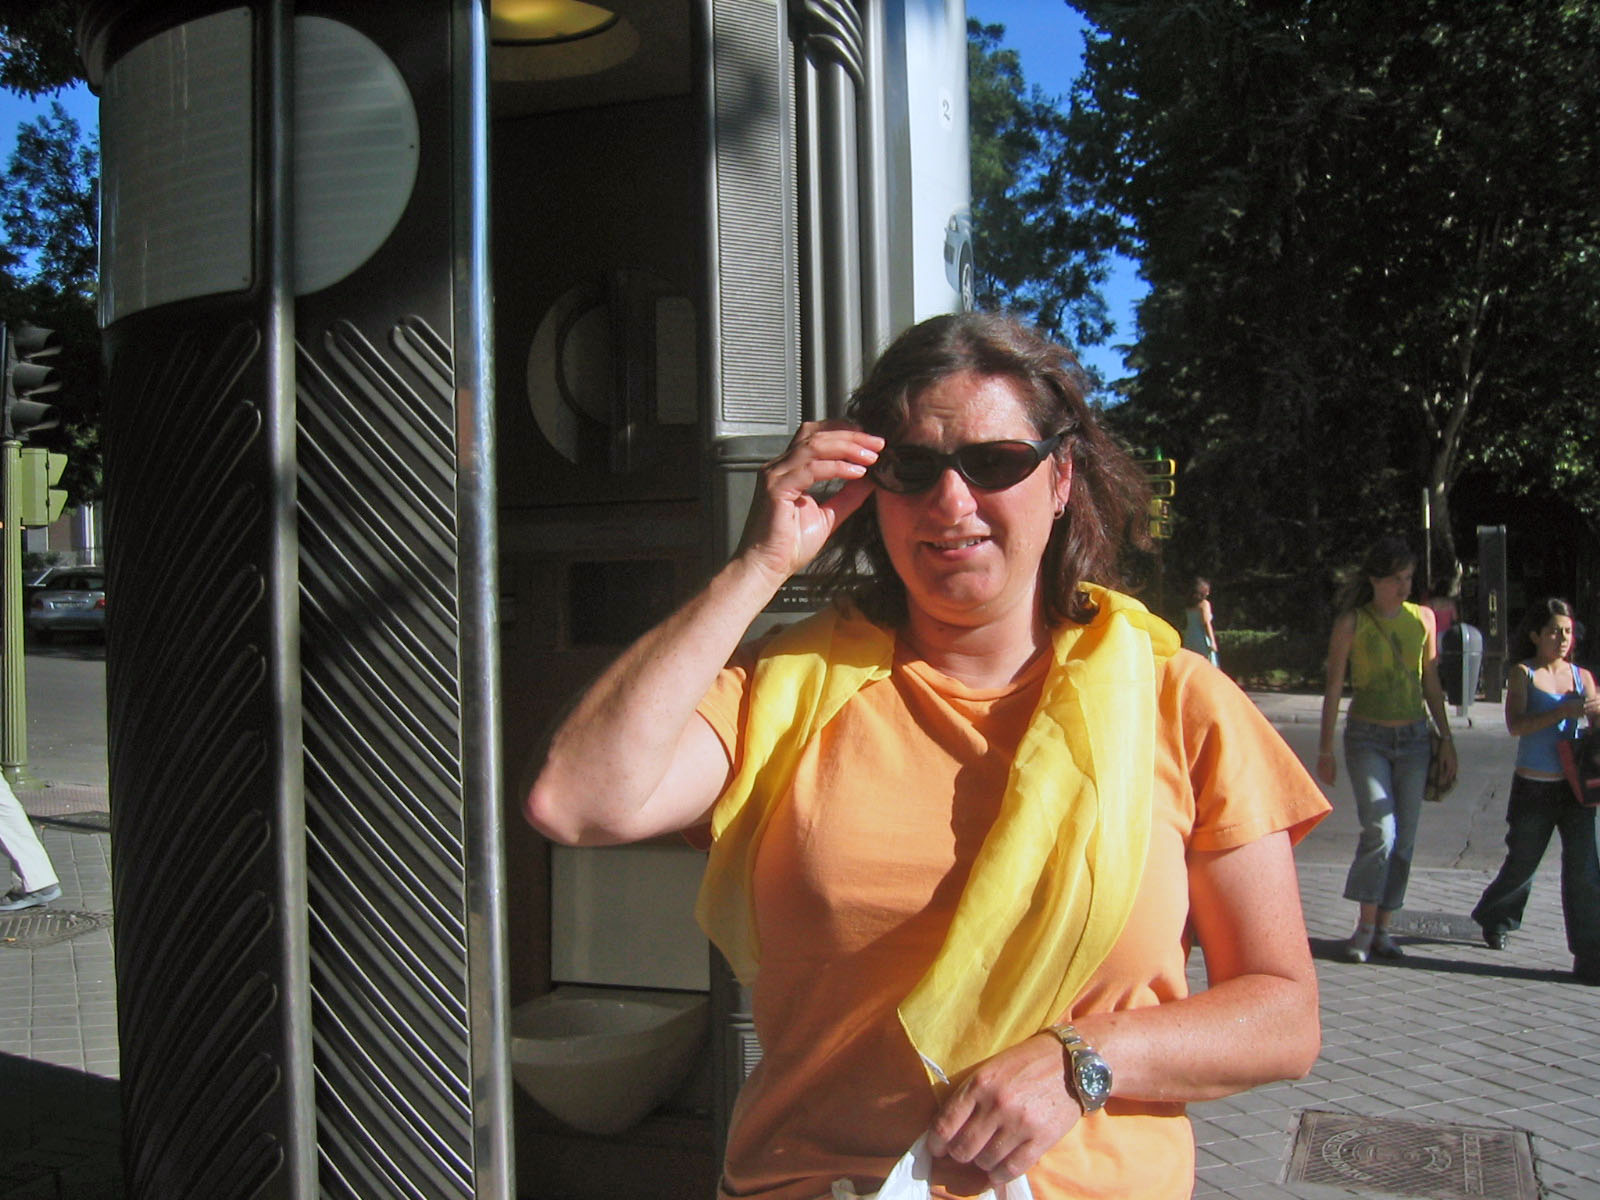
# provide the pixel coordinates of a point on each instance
(72, 599)
(36, 581)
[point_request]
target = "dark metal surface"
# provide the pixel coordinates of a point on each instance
(392, 608)
(203, 746)
(44, 926)
(1412, 1158)
(1455, 927)
(192, 698)
(305, 777)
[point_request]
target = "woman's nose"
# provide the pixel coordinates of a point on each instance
(951, 496)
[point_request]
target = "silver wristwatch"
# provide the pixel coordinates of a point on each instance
(1088, 1074)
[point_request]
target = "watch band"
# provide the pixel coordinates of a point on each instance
(1090, 1075)
(1069, 1037)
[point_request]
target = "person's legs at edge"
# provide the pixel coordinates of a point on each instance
(30, 863)
(1371, 772)
(1530, 820)
(1580, 890)
(1408, 781)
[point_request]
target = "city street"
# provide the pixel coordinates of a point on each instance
(67, 712)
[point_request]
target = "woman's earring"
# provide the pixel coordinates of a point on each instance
(1061, 507)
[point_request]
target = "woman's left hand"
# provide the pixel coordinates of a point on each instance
(1008, 1112)
(1447, 757)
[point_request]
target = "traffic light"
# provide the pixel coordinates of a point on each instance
(42, 500)
(1161, 475)
(27, 378)
(1160, 513)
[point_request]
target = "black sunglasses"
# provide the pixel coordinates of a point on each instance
(991, 466)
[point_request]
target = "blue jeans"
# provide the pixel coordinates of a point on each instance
(1537, 809)
(1388, 767)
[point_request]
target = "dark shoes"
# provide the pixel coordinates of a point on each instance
(1495, 939)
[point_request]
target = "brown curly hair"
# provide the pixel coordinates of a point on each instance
(1106, 511)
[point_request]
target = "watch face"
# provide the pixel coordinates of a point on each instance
(1094, 1078)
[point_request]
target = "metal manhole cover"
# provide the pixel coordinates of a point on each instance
(35, 927)
(1445, 926)
(1412, 1158)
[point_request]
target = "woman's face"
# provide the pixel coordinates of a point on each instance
(1554, 640)
(969, 557)
(1389, 592)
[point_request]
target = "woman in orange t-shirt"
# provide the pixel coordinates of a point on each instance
(966, 821)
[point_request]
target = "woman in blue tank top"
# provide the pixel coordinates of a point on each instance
(1548, 699)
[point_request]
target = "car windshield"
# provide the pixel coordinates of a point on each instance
(77, 583)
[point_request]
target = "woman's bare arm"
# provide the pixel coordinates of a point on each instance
(633, 759)
(1344, 632)
(1433, 694)
(1256, 1022)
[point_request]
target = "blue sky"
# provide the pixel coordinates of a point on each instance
(1047, 35)
(14, 111)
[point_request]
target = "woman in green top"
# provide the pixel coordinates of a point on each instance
(1390, 648)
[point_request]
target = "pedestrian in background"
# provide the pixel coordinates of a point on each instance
(1198, 634)
(1391, 651)
(1548, 699)
(1442, 601)
(30, 864)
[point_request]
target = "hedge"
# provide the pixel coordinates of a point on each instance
(1271, 658)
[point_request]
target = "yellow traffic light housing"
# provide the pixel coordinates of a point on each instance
(1161, 474)
(42, 501)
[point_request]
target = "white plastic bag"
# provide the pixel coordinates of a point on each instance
(908, 1180)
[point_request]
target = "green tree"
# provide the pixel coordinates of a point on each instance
(49, 275)
(38, 52)
(1041, 249)
(1369, 232)
(52, 200)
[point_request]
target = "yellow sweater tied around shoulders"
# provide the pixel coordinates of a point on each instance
(1056, 877)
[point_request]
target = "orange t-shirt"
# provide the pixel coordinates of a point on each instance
(858, 876)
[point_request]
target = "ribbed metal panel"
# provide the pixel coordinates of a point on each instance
(384, 822)
(754, 219)
(304, 764)
(198, 894)
(831, 100)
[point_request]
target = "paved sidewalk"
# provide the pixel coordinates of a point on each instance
(1455, 1034)
(58, 1016)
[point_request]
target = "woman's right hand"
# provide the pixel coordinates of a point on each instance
(788, 525)
(1327, 768)
(1583, 704)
